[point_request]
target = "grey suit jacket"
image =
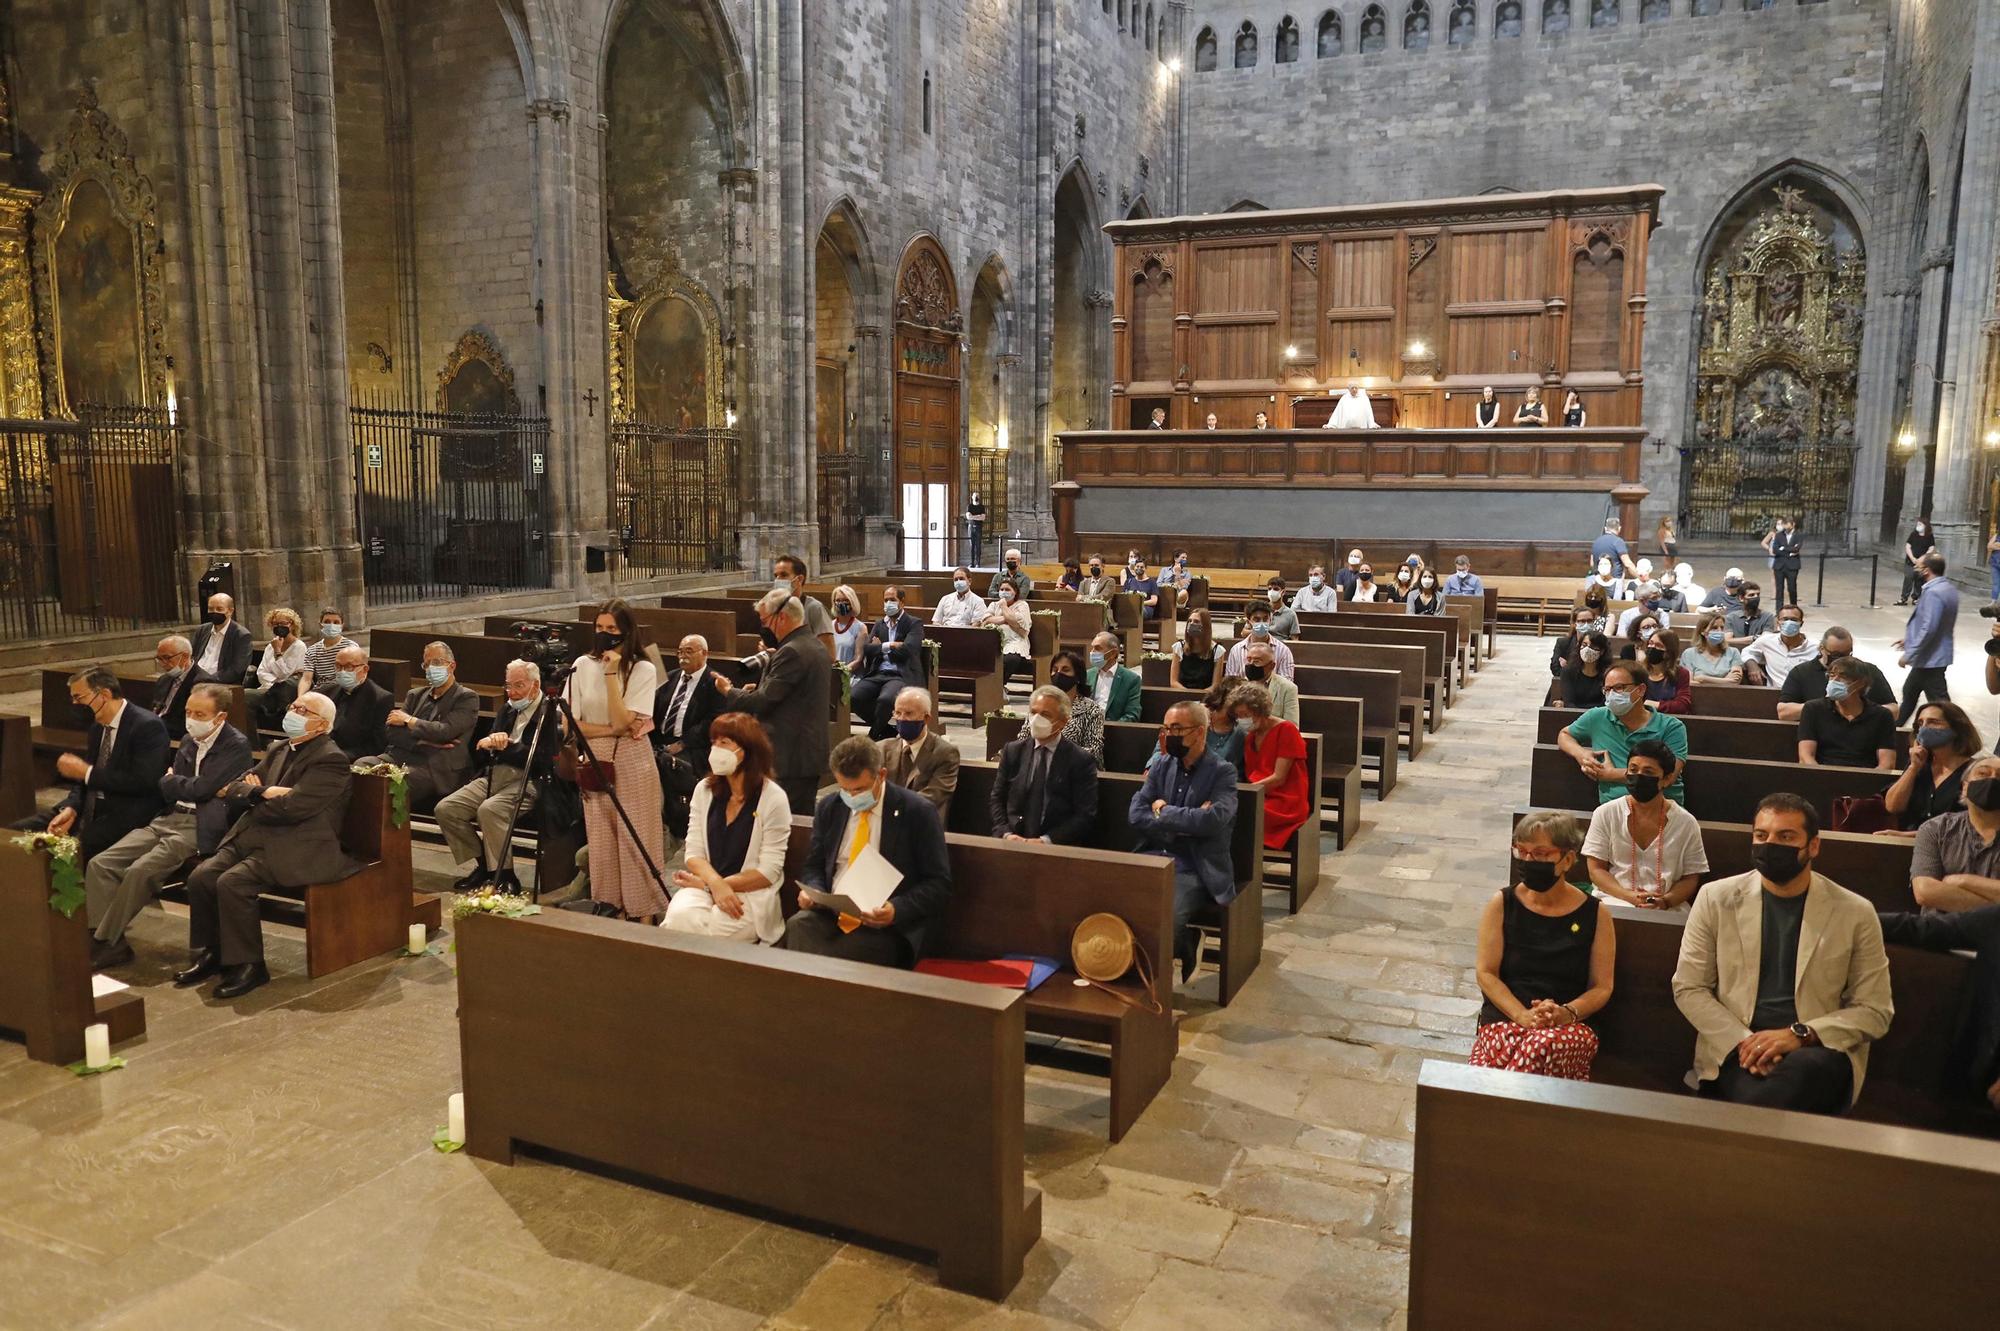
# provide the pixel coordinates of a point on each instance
(439, 736)
(933, 774)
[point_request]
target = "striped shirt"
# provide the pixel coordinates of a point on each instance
(319, 660)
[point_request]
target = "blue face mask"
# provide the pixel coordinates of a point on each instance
(959, 584)
(859, 803)
(1934, 737)
(347, 679)
(890, 609)
(1836, 689)
(1243, 723)
(1261, 629)
(1791, 628)
(1317, 581)
(909, 730)
(521, 704)
(1097, 660)
(294, 725)
(331, 632)
(1717, 637)
(437, 674)
(1619, 703)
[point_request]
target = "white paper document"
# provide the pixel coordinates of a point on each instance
(103, 986)
(862, 886)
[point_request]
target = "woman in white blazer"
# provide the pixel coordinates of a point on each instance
(738, 824)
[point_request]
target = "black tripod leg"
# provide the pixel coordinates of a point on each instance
(506, 877)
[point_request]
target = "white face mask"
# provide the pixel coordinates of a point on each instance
(1040, 726)
(722, 761)
(202, 729)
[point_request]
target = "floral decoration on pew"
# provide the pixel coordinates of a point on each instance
(65, 873)
(845, 673)
(1156, 656)
(1002, 714)
(399, 787)
(491, 901)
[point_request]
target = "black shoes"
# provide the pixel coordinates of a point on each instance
(104, 956)
(473, 881)
(200, 966)
(240, 980)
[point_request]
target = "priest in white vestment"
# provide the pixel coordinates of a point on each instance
(1353, 411)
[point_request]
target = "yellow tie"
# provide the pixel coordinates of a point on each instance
(848, 923)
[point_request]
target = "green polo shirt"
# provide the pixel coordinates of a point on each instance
(1599, 729)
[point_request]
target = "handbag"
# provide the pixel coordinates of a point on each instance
(591, 778)
(1862, 813)
(1102, 949)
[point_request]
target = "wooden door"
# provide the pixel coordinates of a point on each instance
(928, 387)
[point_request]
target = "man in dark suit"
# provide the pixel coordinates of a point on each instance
(221, 645)
(1187, 810)
(1787, 552)
(123, 879)
(903, 827)
(118, 784)
(793, 700)
(361, 706)
(685, 704)
(893, 660)
(286, 834)
(918, 760)
(431, 733)
(178, 675)
(1046, 789)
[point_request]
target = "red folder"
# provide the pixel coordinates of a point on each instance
(1005, 973)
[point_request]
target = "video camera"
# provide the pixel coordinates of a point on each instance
(548, 646)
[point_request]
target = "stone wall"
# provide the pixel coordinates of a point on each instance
(368, 202)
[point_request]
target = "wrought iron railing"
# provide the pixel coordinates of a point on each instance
(449, 503)
(677, 497)
(1736, 489)
(89, 536)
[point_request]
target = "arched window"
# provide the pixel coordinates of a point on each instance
(1163, 33)
(1603, 13)
(1121, 15)
(927, 101)
(1507, 19)
(1149, 27)
(1464, 23)
(1374, 30)
(1555, 17)
(1246, 45)
(1204, 51)
(1417, 26)
(1107, 6)
(1329, 35)
(1288, 40)
(1655, 11)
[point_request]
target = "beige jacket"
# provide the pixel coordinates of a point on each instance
(1843, 971)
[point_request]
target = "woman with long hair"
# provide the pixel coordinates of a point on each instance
(1196, 653)
(738, 825)
(611, 691)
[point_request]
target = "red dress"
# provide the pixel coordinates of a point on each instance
(1286, 804)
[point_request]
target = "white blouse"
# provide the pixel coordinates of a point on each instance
(768, 838)
(278, 666)
(585, 691)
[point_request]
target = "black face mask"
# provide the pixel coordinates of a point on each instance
(842, 608)
(606, 641)
(1984, 794)
(1535, 875)
(84, 716)
(1656, 656)
(1097, 570)
(1780, 864)
(1253, 672)
(1750, 602)
(769, 638)
(1645, 787)
(1063, 680)
(1013, 564)
(1177, 746)
(216, 617)
(281, 632)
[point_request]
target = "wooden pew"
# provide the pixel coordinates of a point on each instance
(803, 1108)
(1463, 639)
(746, 640)
(1723, 737)
(1605, 1175)
(1742, 700)
(1540, 601)
(1381, 708)
(968, 664)
(1438, 692)
(1486, 606)
(58, 732)
(1239, 926)
(1407, 662)
(1722, 790)
(17, 767)
(1338, 723)
(45, 986)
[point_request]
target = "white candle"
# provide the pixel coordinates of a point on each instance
(454, 1117)
(96, 1045)
(419, 940)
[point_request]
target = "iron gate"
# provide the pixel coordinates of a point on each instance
(449, 503)
(1735, 489)
(677, 498)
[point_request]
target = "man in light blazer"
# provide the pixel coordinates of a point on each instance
(915, 758)
(1783, 974)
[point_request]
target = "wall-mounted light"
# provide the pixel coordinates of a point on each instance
(1174, 64)
(1993, 438)
(1907, 440)
(173, 403)
(1417, 351)
(1000, 437)
(729, 419)
(1291, 352)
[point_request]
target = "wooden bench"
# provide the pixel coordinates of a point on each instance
(1748, 701)
(58, 734)
(968, 665)
(1463, 639)
(1664, 1209)
(1238, 926)
(802, 1107)
(1537, 601)
(17, 767)
(1438, 691)
(45, 984)
(1407, 662)
(744, 643)
(1723, 737)
(1486, 607)
(1721, 790)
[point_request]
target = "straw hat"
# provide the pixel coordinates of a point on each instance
(1101, 948)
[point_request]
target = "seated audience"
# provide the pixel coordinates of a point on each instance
(894, 659)
(688, 700)
(1115, 688)
(1844, 729)
(963, 607)
(850, 630)
(918, 759)
(1260, 667)
(221, 645)
(1176, 578)
(123, 878)
(288, 813)
(1197, 655)
(1769, 660)
(1406, 584)
(1646, 596)
(431, 733)
(1806, 679)
(1931, 785)
(1601, 739)
(1645, 850)
(1606, 580)
(1225, 737)
(1349, 576)
(474, 818)
(1046, 786)
(278, 671)
(1581, 681)
(361, 706)
(1643, 632)
(1256, 627)
(322, 657)
(1711, 660)
(1463, 581)
(1667, 680)
(1955, 864)
(739, 824)
(1750, 621)
(1318, 596)
(1365, 591)
(174, 659)
(1009, 615)
(1783, 1010)
(1273, 759)
(1583, 623)
(1009, 574)
(1545, 959)
(1692, 592)
(1973, 1071)
(1673, 600)
(1072, 575)
(1096, 585)
(1284, 619)
(1729, 596)
(117, 789)
(903, 828)
(1186, 809)
(1067, 672)
(1427, 599)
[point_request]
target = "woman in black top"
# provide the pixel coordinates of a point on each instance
(1942, 741)
(1486, 412)
(1195, 655)
(1546, 954)
(1072, 575)
(1573, 416)
(1915, 546)
(1426, 599)
(975, 524)
(1581, 683)
(1532, 411)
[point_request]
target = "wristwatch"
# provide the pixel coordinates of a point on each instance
(1804, 1033)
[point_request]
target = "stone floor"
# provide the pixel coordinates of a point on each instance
(268, 1164)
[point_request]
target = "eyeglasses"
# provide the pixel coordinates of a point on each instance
(1189, 729)
(1538, 854)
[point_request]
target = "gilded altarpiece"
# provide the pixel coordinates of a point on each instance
(20, 367)
(666, 354)
(1775, 386)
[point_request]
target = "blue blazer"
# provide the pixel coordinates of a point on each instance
(910, 661)
(1188, 830)
(228, 758)
(912, 840)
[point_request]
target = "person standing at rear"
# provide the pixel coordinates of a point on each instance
(1926, 644)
